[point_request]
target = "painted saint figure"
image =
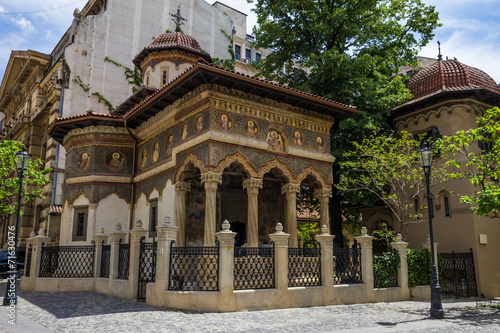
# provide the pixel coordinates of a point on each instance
(225, 122)
(320, 144)
(198, 124)
(251, 128)
(274, 141)
(117, 161)
(184, 132)
(143, 158)
(298, 140)
(83, 161)
(169, 145)
(156, 152)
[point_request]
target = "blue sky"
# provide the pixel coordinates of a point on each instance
(470, 31)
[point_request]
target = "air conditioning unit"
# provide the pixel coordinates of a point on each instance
(246, 61)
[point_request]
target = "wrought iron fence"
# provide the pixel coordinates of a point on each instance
(105, 261)
(194, 268)
(123, 260)
(304, 267)
(347, 265)
(385, 269)
(457, 275)
(27, 269)
(67, 261)
(254, 267)
(147, 269)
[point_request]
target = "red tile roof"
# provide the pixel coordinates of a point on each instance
(449, 75)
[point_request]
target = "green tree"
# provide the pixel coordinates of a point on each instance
(34, 180)
(353, 48)
(477, 156)
(388, 168)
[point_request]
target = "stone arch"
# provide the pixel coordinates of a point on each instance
(195, 162)
(312, 171)
(241, 159)
(275, 163)
(380, 216)
(77, 196)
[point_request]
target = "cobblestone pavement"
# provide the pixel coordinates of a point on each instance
(94, 312)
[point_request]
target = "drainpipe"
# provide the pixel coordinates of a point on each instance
(56, 164)
(132, 185)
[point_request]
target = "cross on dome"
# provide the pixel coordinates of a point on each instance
(178, 19)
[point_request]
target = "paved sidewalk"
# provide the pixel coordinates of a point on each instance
(94, 312)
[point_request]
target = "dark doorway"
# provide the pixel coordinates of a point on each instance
(241, 233)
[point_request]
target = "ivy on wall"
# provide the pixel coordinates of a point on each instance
(227, 63)
(133, 76)
(79, 81)
(100, 98)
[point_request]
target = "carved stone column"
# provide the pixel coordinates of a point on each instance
(401, 247)
(291, 190)
(324, 195)
(166, 234)
(181, 189)
(211, 180)
(280, 240)
(226, 266)
(252, 185)
(326, 242)
(365, 242)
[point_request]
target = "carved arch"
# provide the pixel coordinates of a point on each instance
(276, 163)
(311, 170)
(191, 158)
(236, 157)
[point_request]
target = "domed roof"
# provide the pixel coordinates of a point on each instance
(449, 75)
(173, 41)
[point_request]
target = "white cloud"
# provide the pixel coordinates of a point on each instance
(25, 25)
(48, 34)
(2, 10)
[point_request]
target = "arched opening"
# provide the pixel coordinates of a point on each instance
(308, 212)
(271, 202)
(195, 206)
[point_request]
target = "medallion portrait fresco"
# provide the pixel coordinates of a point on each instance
(155, 152)
(184, 132)
(298, 138)
(225, 122)
(115, 161)
(83, 161)
(320, 144)
(143, 157)
(169, 145)
(198, 124)
(251, 128)
(274, 140)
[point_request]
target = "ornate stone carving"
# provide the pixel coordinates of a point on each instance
(209, 178)
(311, 170)
(182, 187)
(290, 188)
(252, 183)
(323, 192)
(191, 158)
(236, 157)
(276, 163)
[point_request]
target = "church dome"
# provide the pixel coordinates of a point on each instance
(173, 41)
(449, 75)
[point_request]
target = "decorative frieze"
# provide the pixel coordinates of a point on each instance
(252, 183)
(287, 188)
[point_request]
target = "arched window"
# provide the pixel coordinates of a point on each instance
(447, 205)
(417, 205)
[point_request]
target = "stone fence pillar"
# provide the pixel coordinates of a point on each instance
(326, 242)
(226, 265)
(280, 240)
(136, 235)
(427, 245)
(100, 239)
(29, 244)
(115, 239)
(36, 258)
(365, 242)
(401, 247)
(166, 234)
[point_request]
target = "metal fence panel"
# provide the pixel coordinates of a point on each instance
(67, 261)
(347, 265)
(105, 261)
(147, 269)
(304, 267)
(457, 275)
(194, 268)
(27, 269)
(254, 268)
(123, 261)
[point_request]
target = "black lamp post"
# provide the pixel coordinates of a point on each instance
(437, 311)
(22, 162)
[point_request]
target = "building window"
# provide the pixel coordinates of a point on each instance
(257, 56)
(248, 56)
(164, 78)
(447, 205)
(80, 224)
(153, 217)
(237, 52)
(417, 205)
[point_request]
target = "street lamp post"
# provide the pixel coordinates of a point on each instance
(22, 162)
(437, 311)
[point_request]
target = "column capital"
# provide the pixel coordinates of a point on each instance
(323, 193)
(167, 232)
(182, 187)
(364, 240)
(290, 188)
(211, 180)
(251, 183)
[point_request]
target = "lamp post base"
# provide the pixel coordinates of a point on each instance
(11, 290)
(437, 311)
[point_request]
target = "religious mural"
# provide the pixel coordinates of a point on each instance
(169, 145)
(83, 161)
(184, 132)
(320, 144)
(155, 152)
(115, 161)
(225, 122)
(143, 157)
(298, 139)
(198, 124)
(251, 128)
(275, 141)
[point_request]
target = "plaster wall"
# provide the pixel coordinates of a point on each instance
(111, 211)
(67, 219)
(166, 203)
(153, 76)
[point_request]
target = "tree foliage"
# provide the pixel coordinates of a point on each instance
(388, 168)
(419, 267)
(34, 179)
(353, 48)
(477, 156)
